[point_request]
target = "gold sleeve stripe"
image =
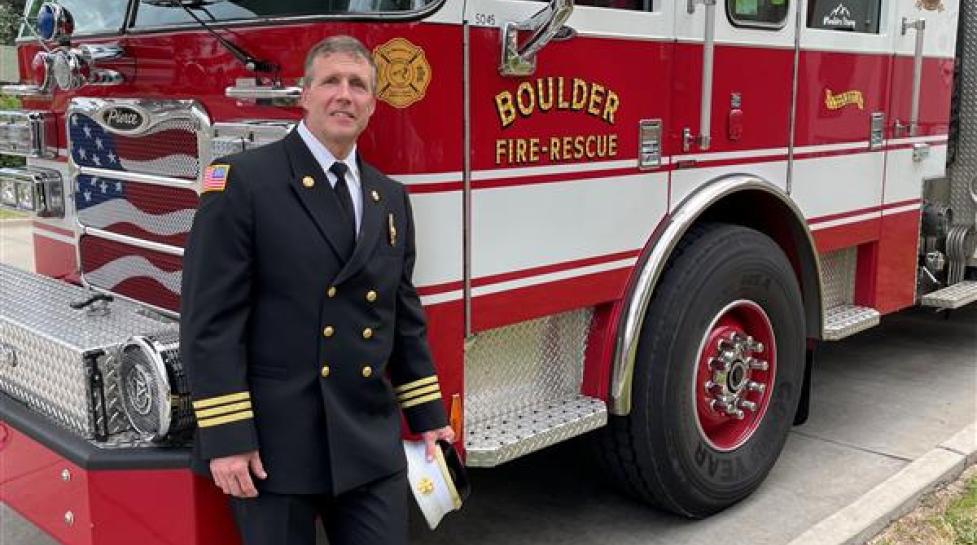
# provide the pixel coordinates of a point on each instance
(419, 400)
(224, 409)
(418, 392)
(417, 383)
(220, 400)
(226, 419)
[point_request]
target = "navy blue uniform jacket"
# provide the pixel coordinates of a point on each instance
(301, 341)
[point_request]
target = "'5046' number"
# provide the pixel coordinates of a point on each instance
(485, 19)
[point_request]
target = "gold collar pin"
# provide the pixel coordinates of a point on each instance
(375, 196)
(308, 181)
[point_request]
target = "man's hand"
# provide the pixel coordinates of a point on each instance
(232, 474)
(431, 438)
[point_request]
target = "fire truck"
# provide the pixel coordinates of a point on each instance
(635, 219)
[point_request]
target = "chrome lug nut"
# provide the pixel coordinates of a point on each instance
(718, 364)
(748, 405)
(757, 387)
(758, 365)
(712, 388)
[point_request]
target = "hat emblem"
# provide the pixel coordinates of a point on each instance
(425, 486)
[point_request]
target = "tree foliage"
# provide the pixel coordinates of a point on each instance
(10, 12)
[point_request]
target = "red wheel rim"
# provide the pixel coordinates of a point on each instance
(734, 375)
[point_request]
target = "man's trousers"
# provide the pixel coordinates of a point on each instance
(373, 514)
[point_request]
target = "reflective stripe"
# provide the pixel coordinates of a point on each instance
(418, 392)
(224, 409)
(220, 400)
(419, 400)
(417, 383)
(225, 419)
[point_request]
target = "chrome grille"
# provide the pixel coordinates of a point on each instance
(135, 191)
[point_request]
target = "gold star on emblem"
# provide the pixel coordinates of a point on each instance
(425, 486)
(308, 181)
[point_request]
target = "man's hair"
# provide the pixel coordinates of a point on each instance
(340, 44)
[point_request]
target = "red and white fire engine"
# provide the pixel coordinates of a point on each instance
(633, 216)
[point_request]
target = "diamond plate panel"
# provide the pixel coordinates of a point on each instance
(845, 320)
(838, 277)
(530, 364)
(955, 296)
(963, 172)
(44, 343)
(492, 442)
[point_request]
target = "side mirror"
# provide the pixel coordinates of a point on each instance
(545, 25)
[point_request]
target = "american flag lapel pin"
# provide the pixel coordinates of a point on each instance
(392, 229)
(215, 178)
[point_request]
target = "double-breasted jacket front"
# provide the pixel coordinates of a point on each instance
(301, 339)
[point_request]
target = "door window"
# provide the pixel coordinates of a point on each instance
(845, 15)
(757, 13)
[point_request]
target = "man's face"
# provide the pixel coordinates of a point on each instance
(338, 100)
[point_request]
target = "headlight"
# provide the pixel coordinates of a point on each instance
(28, 132)
(155, 389)
(8, 193)
(37, 190)
(25, 196)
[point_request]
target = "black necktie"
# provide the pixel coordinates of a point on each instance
(342, 193)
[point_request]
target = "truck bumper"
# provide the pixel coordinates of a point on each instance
(80, 494)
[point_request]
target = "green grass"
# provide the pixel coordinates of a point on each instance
(10, 214)
(960, 517)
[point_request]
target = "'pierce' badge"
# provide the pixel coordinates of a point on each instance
(392, 229)
(308, 181)
(375, 196)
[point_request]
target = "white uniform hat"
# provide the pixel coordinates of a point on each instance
(439, 486)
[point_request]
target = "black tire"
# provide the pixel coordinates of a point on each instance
(657, 453)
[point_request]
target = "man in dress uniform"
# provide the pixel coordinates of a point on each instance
(301, 327)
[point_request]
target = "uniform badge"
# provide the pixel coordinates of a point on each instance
(215, 178)
(375, 196)
(403, 73)
(392, 229)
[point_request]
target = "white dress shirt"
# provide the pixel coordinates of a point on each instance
(326, 159)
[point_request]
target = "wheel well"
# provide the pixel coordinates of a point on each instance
(762, 211)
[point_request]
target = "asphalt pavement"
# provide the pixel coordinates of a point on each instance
(883, 402)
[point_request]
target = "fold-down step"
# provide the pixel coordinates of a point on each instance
(493, 441)
(955, 296)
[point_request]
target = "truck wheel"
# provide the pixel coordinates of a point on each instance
(717, 378)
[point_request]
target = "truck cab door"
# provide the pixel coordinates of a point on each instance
(558, 205)
(844, 67)
(924, 45)
(731, 106)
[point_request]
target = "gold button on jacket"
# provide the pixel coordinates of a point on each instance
(367, 371)
(328, 331)
(371, 296)
(324, 371)
(331, 292)
(367, 333)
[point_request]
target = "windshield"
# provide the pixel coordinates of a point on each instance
(91, 16)
(150, 13)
